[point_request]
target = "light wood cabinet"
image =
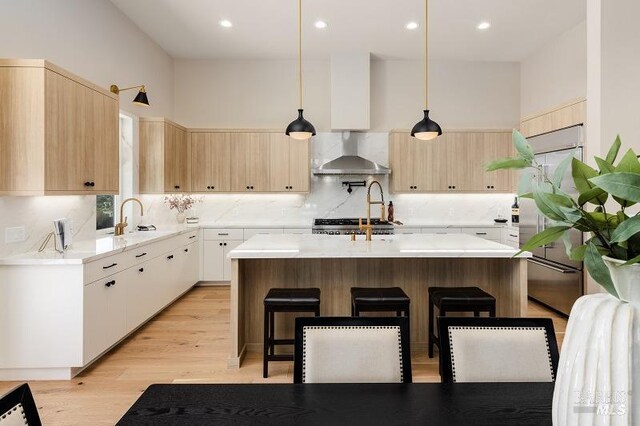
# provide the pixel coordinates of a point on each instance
(164, 157)
(250, 162)
(289, 164)
(455, 162)
(210, 161)
(58, 132)
(560, 117)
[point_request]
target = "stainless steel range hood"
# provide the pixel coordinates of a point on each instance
(350, 163)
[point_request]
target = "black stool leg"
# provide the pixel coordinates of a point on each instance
(430, 328)
(408, 314)
(492, 311)
(265, 362)
(317, 311)
(272, 332)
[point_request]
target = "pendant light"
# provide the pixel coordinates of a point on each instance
(426, 129)
(300, 128)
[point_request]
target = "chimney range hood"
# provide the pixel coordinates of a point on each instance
(350, 163)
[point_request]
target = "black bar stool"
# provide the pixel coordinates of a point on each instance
(379, 299)
(285, 300)
(457, 299)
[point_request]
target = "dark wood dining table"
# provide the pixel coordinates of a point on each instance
(343, 404)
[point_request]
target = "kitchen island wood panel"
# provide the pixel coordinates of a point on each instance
(382, 263)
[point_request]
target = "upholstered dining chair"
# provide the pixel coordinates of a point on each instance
(17, 407)
(352, 350)
(497, 349)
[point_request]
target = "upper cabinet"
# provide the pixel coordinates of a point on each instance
(58, 132)
(289, 164)
(560, 117)
(250, 166)
(210, 161)
(454, 162)
(164, 157)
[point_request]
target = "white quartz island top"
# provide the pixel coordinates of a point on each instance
(383, 246)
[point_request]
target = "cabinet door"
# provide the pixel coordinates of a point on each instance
(176, 162)
(106, 144)
(139, 292)
(429, 164)
(498, 145)
(69, 162)
(212, 260)
(116, 307)
(95, 320)
(201, 167)
(151, 158)
(228, 246)
(401, 151)
(462, 162)
(250, 162)
(280, 162)
(299, 165)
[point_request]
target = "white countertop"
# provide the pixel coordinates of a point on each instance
(383, 246)
(88, 251)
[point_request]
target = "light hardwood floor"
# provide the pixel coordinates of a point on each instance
(187, 343)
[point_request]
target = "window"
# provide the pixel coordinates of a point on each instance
(107, 205)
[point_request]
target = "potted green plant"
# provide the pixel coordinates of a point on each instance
(600, 357)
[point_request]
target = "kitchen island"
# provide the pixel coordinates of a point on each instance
(335, 264)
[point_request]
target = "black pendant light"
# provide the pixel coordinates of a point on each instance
(300, 128)
(426, 129)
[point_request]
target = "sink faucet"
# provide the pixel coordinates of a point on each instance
(368, 227)
(119, 228)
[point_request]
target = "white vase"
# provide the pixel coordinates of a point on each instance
(180, 217)
(598, 381)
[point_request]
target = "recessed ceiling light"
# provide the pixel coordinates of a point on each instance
(484, 25)
(320, 25)
(411, 25)
(226, 23)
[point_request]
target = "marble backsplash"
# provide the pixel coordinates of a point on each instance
(37, 214)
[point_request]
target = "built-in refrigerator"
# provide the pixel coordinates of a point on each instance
(553, 278)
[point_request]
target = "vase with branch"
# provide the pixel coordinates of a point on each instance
(182, 204)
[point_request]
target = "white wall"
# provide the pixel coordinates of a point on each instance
(556, 73)
(263, 93)
(93, 39)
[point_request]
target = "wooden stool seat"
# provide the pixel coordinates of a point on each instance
(379, 299)
(284, 300)
(457, 299)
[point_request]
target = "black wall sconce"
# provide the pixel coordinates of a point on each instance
(141, 97)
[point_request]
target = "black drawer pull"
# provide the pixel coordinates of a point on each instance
(141, 270)
(110, 283)
(193, 236)
(186, 250)
(170, 257)
(481, 233)
(110, 266)
(141, 255)
(514, 236)
(177, 187)
(225, 244)
(223, 233)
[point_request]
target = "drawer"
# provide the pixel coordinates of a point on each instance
(250, 232)
(486, 233)
(445, 230)
(99, 269)
(217, 234)
(297, 231)
(188, 237)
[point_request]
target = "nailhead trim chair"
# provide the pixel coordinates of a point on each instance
(17, 407)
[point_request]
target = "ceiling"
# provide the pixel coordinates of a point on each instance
(267, 28)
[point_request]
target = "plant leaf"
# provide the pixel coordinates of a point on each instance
(577, 253)
(547, 236)
(622, 185)
(598, 270)
(522, 146)
(632, 261)
(527, 177)
(626, 230)
(507, 163)
(582, 174)
(551, 205)
(604, 166)
(561, 170)
(628, 163)
(613, 151)
(590, 195)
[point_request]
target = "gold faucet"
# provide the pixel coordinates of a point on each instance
(119, 228)
(368, 227)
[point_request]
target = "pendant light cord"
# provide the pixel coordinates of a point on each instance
(426, 54)
(300, 50)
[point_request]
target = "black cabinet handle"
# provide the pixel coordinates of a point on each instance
(251, 186)
(177, 187)
(87, 184)
(223, 233)
(220, 244)
(213, 187)
(170, 257)
(247, 186)
(514, 236)
(110, 283)
(481, 233)
(208, 187)
(186, 250)
(93, 184)
(193, 236)
(141, 255)
(225, 244)
(110, 266)
(141, 270)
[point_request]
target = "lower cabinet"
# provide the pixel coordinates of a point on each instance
(215, 264)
